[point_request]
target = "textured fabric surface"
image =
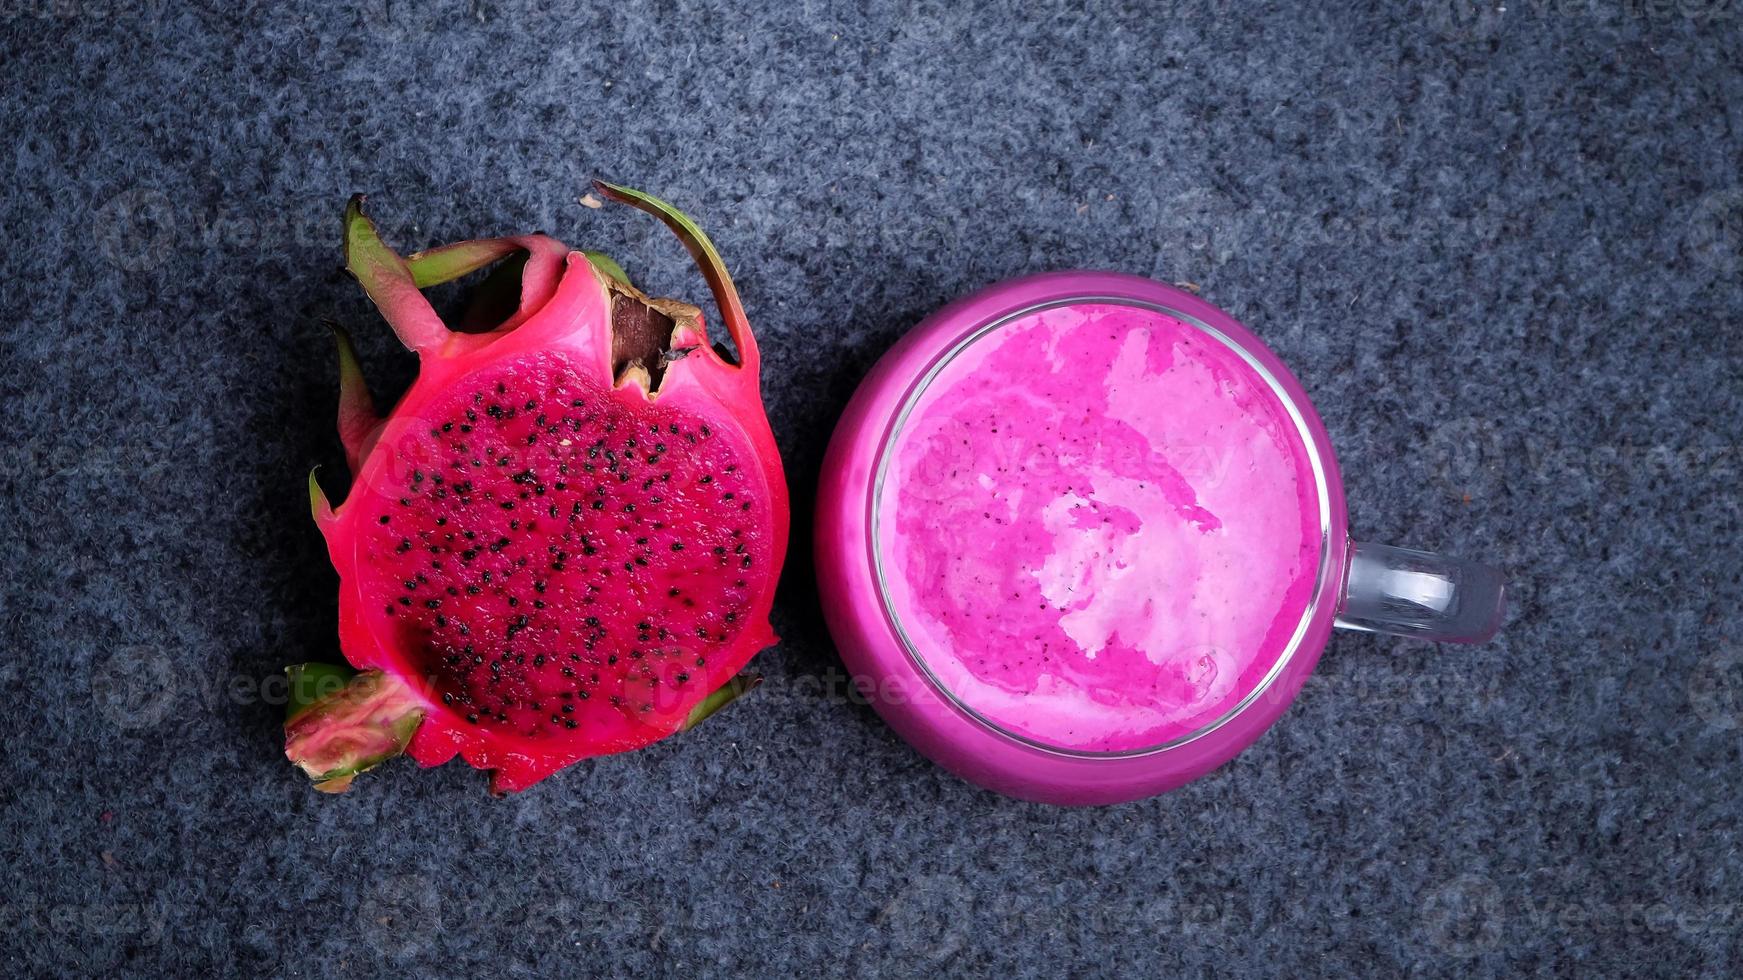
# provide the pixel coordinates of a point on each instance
(1502, 248)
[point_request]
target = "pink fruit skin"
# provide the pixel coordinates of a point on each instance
(564, 319)
(1253, 520)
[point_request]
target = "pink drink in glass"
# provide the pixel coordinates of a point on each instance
(1081, 538)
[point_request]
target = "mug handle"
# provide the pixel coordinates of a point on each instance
(1416, 593)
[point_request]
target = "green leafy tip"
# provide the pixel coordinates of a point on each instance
(317, 497)
(720, 697)
(608, 265)
(312, 682)
(707, 260)
(448, 263)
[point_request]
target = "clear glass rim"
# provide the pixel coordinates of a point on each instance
(1304, 432)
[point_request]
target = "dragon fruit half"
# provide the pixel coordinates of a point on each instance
(564, 540)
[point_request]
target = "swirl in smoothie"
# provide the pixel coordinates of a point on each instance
(1098, 527)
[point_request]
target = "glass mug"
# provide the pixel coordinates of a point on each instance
(1081, 538)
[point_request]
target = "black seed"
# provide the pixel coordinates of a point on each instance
(384, 518)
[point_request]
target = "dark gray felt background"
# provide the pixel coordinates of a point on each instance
(1502, 250)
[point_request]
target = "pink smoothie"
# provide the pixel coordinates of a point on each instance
(1098, 527)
